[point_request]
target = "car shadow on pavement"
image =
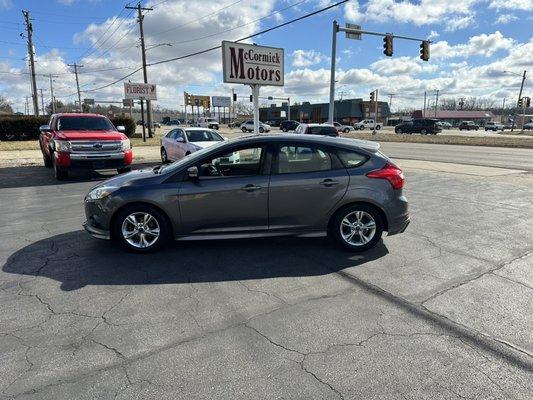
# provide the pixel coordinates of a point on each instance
(76, 260)
(28, 176)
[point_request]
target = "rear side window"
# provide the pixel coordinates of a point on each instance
(298, 159)
(351, 159)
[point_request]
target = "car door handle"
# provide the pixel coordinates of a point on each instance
(250, 188)
(329, 182)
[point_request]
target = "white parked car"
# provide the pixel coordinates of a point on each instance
(205, 122)
(248, 126)
(342, 128)
(181, 142)
(368, 124)
(494, 126)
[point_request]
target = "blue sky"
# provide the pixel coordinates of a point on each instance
(474, 41)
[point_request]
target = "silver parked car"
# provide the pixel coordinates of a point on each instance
(248, 126)
(282, 185)
(181, 142)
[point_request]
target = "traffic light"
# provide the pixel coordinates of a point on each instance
(234, 96)
(520, 102)
(424, 50)
(251, 99)
(387, 45)
(528, 102)
(207, 103)
(187, 97)
(372, 96)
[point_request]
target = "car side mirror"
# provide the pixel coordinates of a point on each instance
(45, 128)
(192, 173)
(180, 139)
(121, 128)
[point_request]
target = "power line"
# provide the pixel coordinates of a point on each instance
(219, 46)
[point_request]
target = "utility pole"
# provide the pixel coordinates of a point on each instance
(42, 101)
(143, 53)
(29, 31)
(425, 101)
(375, 111)
(390, 99)
(76, 66)
(27, 107)
(52, 93)
(331, 114)
(436, 101)
(519, 97)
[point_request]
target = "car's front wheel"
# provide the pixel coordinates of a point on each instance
(362, 127)
(141, 228)
(261, 130)
(59, 173)
(284, 129)
(424, 132)
(357, 228)
(399, 131)
(244, 129)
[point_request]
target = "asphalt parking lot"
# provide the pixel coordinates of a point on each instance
(443, 311)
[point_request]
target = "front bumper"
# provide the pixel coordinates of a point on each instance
(96, 232)
(94, 160)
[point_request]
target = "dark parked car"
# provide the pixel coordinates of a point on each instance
(424, 126)
(317, 129)
(280, 185)
(468, 126)
(289, 125)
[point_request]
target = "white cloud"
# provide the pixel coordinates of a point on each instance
(505, 19)
(480, 45)
(526, 5)
(456, 23)
(433, 35)
(402, 66)
(6, 4)
(306, 58)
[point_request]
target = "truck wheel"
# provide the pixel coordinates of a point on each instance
(399, 131)
(46, 159)
(60, 173)
(378, 127)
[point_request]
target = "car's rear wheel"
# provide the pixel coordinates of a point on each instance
(346, 130)
(141, 228)
(378, 127)
(399, 131)
(244, 129)
(362, 127)
(261, 130)
(284, 129)
(357, 228)
(424, 132)
(164, 156)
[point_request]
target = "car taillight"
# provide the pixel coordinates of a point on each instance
(391, 173)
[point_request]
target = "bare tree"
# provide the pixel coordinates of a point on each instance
(5, 106)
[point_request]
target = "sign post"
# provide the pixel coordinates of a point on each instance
(255, 66)
(140, 91)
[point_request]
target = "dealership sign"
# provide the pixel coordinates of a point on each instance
(140, 91)
(220, 101)
(252, 65)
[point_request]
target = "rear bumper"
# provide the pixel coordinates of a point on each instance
(399, 226)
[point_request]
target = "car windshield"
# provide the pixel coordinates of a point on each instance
(169, 168)
(84, 124)
(203, 136)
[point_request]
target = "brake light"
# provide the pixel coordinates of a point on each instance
(390, 172)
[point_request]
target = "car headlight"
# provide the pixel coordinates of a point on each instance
(100, 192)
(62, 145)
(125, 145)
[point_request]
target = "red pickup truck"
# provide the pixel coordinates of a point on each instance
(87, 141)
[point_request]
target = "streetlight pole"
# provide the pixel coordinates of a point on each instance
(519, 94)
(332, 73)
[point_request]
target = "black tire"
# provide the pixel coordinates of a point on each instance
(362, 127)
(334, 230)
(261, 130)
(164, 228)
(164, 156)
(346, 130)
(46, 159)
(244, 129)
(378, 127)
(123, 170)
(424, 132)
(59, 173)
(284, 129)
(398, 131)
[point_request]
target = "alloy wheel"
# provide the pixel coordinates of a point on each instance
(141, 230)
(358, 228)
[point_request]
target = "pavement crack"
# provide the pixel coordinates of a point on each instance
(512, 280)
(114, 350)
(261, 292)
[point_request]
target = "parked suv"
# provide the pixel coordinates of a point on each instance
(88, 141)
(368, 124)
(210, 123)
(493, 126)
(317, 129)
(288, 125)
(276, 185)
(468, 126)
(424, 126)
(248, 126)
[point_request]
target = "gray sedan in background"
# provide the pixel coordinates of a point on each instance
(303, 185)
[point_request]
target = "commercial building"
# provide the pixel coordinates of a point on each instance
(347, 111)
(455, 117)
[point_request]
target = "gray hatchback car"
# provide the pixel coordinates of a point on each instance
(303, 185)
